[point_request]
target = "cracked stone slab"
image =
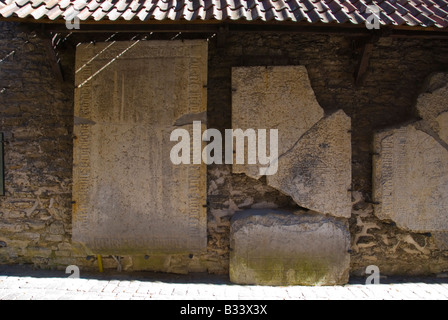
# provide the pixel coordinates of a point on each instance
(410, 179)
(274, 97)
(432, 105)
(276, 247)
(316, 171)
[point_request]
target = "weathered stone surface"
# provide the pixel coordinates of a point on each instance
(129, 197)
(410, 179)
(441, 240)
(274, 97)
(442, 121)
(41, 166)
(316, 171)
(275, 247)
(432, 105)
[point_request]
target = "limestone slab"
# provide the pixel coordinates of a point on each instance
(441, 240)
(410, 179)
(442, 122)
(128, 196)
(316, 171)
(274, 97)
(432, 105)
(275, 247)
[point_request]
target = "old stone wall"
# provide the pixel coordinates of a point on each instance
(387, 97)
(37, 120)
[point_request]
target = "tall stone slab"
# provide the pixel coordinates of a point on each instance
(274, 247)
(410, 179)
(316, 171)
(275, 97)
(128, 196)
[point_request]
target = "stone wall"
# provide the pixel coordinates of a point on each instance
(37, 120)
(397, 71)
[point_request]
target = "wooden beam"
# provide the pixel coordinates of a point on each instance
(53, 59)
(222, 35)
(363, 63)
(346, 30)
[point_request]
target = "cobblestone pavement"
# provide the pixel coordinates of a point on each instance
(28, 284)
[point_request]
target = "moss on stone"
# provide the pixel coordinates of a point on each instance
(269, 271)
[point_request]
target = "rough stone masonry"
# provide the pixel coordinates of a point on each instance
(37, 121)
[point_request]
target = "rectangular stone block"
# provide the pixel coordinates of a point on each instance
(129, 197)
(274, 247)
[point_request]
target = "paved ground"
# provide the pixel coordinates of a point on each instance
(27, 284)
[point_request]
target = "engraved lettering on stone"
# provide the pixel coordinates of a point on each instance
(303, 248)
(410, 179)
(129, 197)
(316, 175)
(316, 172)
(278, 97)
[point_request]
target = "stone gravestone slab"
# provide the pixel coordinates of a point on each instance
(314, 152)
(432, 105)
(275, 97)
(316, 171)
(441, 240)
(128, 196)
(410, 179)
(274, 247)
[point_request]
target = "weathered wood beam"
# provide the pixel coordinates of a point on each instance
(53, 59)
(363, 63)
(222, 34)
(248, 27)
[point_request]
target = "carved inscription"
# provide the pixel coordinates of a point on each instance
(411, 179)
(129, 197)
(82, 150)
(277, 97)
(316, 172)
(314, 162)
(274, 247)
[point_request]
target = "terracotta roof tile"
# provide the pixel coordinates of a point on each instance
(39, 12)
(63, 4)
(54, 13)
(9, 10)
(93, 5)
(50, 4)
(24, 11)
(423, 13)
(348, 6)
(84, 14)
(36, 3)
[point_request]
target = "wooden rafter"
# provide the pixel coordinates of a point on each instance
(363, 63)
(53, 58)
